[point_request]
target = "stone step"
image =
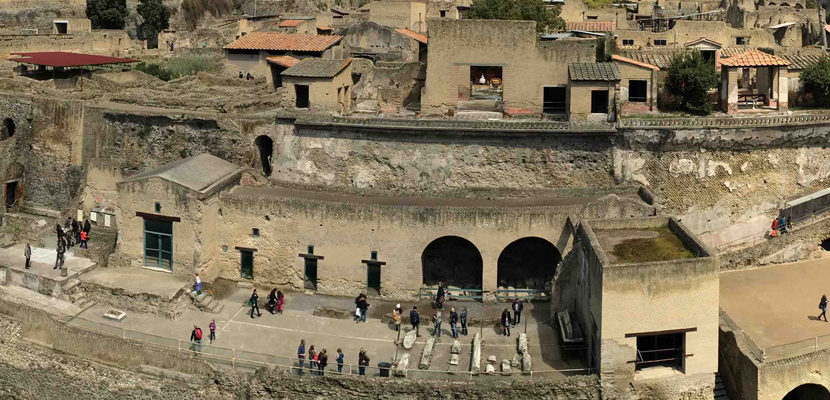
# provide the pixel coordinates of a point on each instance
(218, 309)
(85, 304)
(77, 297)
(70, 284)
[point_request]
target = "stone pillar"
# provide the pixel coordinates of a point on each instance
(729, 89)
(774, 77)
(783, 84)
(763, 76)
(489, 273)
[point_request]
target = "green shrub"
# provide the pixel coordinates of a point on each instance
(816, 80)
(106, 14)
(689, 78)
(547, 19)
(155, 70)
(179, 67)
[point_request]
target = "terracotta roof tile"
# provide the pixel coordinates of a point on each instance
(285, 61)
(290, 23)
(754, 58)
(414, 35)
(276, 41)
(605, 71)
(591, 26)
(317, 68)
(627, 60)
(66, 59)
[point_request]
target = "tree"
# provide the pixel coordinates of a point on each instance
(690, 78)
(816, 80)
(156, 18)
(531, 10)
(106, 14)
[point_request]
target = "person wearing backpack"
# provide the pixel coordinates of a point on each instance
(339, 360)
(196, 339)
(415, 319)
(822, 305)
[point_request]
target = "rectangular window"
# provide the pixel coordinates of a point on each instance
(628, 42)
(443, 13)
(246, 264)
(741, 40)
(158, 244)
(158, 207)
(553, 101)
(301, 92)
(592, 17)
(637, 91)
(659, 42)
(666, 350)
(255, 232)
(599, 101)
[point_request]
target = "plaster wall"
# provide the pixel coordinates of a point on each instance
(324, 94)
(407, 14)
(687, 31)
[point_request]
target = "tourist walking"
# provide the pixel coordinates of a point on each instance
(505, 322)
(58, 230)
(301, 356)
(197, 284)
(436, 324)
(397, 317)
(27, 252)
(362, 361)
(518, 306)
(280, 301)
(212, 328)
(454, 322)
(340, 358)
(463, 319)
(84, 240)
(362, 307)
(322, 362)
(60, 251)
(254, 303)
(87, 227)
(196, 339)
(76, 230)
(312, 359)
(822, 305)
(415, 320)
(271, 305)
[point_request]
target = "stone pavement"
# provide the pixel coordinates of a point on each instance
(279, 335)
(43, 260)
(778, 304)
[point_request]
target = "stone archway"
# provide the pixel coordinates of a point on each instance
(265, 146)
(453, 260)
(528, 263)
(808, 391)
(13, 185)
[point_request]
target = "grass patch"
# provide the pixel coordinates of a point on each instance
(666, 246)
(179, 67)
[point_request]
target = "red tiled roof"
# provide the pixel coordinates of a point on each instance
(414, 35)
(276, 41)
(285, 61)
(290, 23)
(627, 60)
(754, 58)
(591, 26)
(66, 59)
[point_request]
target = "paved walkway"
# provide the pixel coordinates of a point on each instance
(279, 335)
(43, 260)
(778, 304)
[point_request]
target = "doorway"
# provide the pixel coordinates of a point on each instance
(599, 101)
(158, 244)
(11, 194)
(310, 274)
(553, 100)
(373, 279)
(246, 264)
(637, 91)
(302, 96)
(265, 145)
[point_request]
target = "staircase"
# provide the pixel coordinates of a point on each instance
(206, 302)
(71, 289)
(720, 389)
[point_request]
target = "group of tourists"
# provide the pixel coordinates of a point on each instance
(274, 305)
(317, 362)
(507, 321)
(196, 336)
(72, 232)
(781, 225)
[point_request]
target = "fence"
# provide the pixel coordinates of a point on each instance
(246, 360)
(725, 122)
(782, 351)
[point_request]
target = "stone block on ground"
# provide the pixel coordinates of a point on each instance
(516, 361)
(491, 359)
(456, 347)
(489, 368)
(454, 358)
(505, 367)
(426, 356)
(526, 364)
(523, 343)
(475, 365)
(403, 364)
(409, 339)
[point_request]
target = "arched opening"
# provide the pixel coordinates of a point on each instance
(785, 4)
(453, 260)
(13, 186)
(528, 263)
(798, 6)
(266, 148)
(8, 129)
(808, 391)
(825, 244)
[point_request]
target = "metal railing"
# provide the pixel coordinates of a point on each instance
(506, 294)
(430, 292)
(241, 359)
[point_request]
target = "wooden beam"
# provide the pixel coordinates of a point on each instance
(157, 217)
(311, 256)
(655, 333)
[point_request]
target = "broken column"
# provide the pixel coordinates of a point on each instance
(409, 339)
(403, 364)
(426, 356)
(522, 343)
(475, 366)
(455, 356)
(505, 367)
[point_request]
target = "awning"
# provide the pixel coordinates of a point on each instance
(809, 197)
(587, 33)
(784, 25)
